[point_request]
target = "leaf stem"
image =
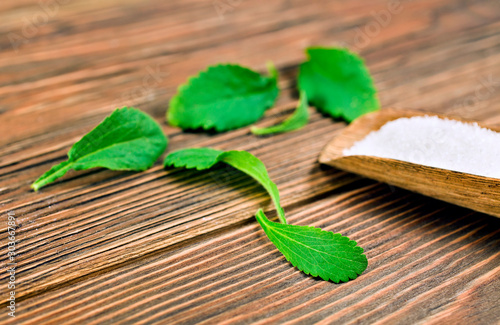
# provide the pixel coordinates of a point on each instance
(54, 173)
(281, 214)
(271, 68)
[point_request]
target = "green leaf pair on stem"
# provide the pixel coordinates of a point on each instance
(226, 97)
(312, 250)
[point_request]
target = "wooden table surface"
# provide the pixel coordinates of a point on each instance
(105, 247)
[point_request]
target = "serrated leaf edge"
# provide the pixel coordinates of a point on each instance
(269, 225)
(210, 125)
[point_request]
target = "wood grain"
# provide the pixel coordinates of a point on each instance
(182, 247)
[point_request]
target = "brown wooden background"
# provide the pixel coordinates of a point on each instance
(104, 247)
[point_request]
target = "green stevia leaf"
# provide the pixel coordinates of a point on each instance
(128, 139)
(338, 83)
(252, 166)
(297, 120)
(312, 250)
(222, 98)
(199, 158)
(204, 158)
(316, 252)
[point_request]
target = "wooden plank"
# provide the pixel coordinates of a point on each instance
(107, 247)
(239, 275)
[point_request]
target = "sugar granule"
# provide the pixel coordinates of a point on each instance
(435, 142)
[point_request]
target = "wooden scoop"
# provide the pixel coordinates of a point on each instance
(471, 191)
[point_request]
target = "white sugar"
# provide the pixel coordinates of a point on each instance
(435, 142)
